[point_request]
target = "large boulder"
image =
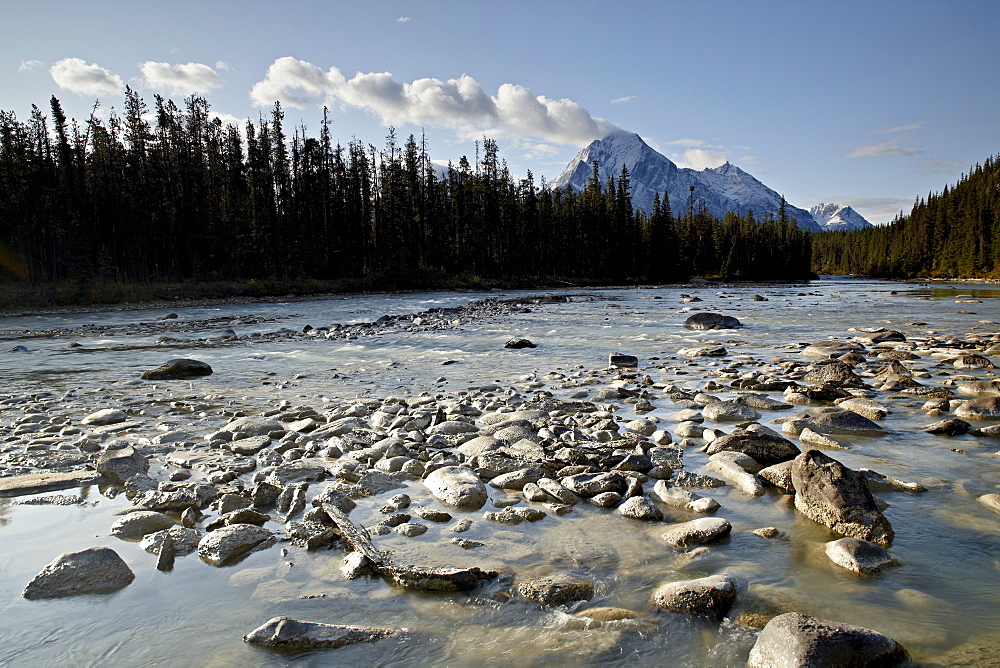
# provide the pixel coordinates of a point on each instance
(706, 320)
(845, 422)
(227, 544)
(704, 597)
(794, 639)
(828, 492)
(457, 486)
(766, 448)
(178, 369)
(96, 570)
(288, 633)
(980, 409)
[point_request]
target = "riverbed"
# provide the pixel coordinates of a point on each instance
(940, 603)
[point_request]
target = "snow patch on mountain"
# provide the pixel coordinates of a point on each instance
(836, 217)
(720, 189)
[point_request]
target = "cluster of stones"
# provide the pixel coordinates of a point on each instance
(534, 456)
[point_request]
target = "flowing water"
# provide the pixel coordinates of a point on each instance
(944, 595)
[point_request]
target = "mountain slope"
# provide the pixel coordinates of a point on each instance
(837, 217)
(720, 189)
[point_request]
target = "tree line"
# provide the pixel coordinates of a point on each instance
(172, 194)
(951, 234)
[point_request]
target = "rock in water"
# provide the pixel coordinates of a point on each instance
(794, 639)
(555, 590)
(178, 369)
(517, 344)
(845, 422)
(767, 449)
(105, 417)
(224, 545)
(122, 465)
(705, 597)
(859, 556)
(96, 570)
(828, 492)
(980, 409)
(705, 320)
(457, 486)
(288, 633)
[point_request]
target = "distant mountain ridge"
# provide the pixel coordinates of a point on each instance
(838, 217)
(720, 189)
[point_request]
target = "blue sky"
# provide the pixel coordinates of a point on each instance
(863, 103)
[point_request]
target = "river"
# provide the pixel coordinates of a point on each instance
(940, 603)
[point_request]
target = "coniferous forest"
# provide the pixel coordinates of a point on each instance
(172, 195)
(951, 234)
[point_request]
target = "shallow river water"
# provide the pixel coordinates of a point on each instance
(941, 603)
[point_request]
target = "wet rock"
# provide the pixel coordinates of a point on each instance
(859, 556)
(437, 579)
(794, 639)
(606, 499)
(845, 422)
(35, 483)
(951, 427)
(991, 501)
(517, 344)
(288, 633)
(555, 590)
(138, 524)
(703, 351)
(457, 486)
(411, 529)
(296, 472)
(592, 484)
(987, 387)
(865, 407)
(688, 479)
(828, 492)
(227, 544)
(677, 497)
(623, 361)
(640, 508)
(830, 349)
(96, 570)
(178, 369)
(878, 482)
(516, 480)
(730, 411)
(185, 540)
(766, 448)
(741, 479)
(255, 426)
(105, 417)
(706, 320)
(558, 491)
(696, 532)
(838, 372)
(816, 440)
(711, 597)
(122, 465)
(980, 409)
(779, 476)
(973, 362)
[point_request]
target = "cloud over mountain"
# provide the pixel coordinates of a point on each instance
(460, 104)
(75, 75)
(180, 79)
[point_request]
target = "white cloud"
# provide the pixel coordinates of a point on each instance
(180, 79)
(223, 65)
(75, 75)
(624, 100)
(901, 128)
(403, 19)
(883, 149)
(29, 65)
(460, 104)
(750, 160)
(699, 158)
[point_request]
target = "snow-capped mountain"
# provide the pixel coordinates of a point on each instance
(838, 217)
(721, 189)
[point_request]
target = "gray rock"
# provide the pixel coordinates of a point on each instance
(556, 490)
(105, 417)
(227, 544)
(177, 369)
(255, 426)
(703, 351)
(866, 407)
(950, 427)
(555, 590)
(794, 639)
(96, 570)
(705, 320)
(122, 465)
(640, 508)
(411, 529)
(185, 540)
(592, 484)
(845, 422)
(288, 633)
(711, 597)
(457, 486)
(980, 409)
(828, 492)
(437, 579)
(816, 440)
(140, 523)
(606, 499)
(677, 497)
(991, 501)
(517, 344)
(623, 361)
(696, 532)
(730, 411)
(764, 447)
(859, 556)
(830, 349)
(743, 481)
(779, 476)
